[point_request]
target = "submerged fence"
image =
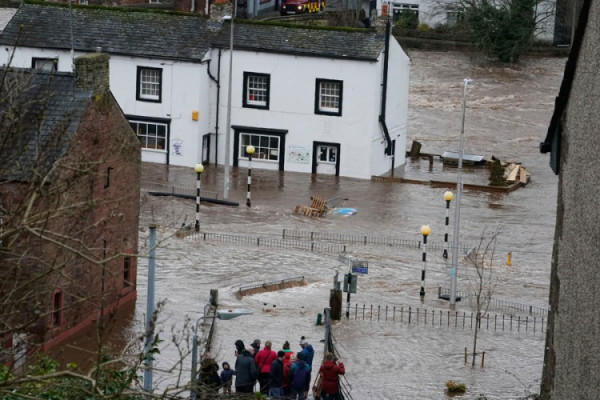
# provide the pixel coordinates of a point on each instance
(448, 319)
(493, 302)
(270, 241)
(348, 238)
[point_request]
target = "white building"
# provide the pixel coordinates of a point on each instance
(309, 100)
(447, 12)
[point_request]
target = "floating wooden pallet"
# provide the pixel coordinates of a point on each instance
(315, 210)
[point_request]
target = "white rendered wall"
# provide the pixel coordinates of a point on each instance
(292, 102)
(184, 89)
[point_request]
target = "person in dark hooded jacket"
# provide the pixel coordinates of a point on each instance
(245, 369)
(330, 387)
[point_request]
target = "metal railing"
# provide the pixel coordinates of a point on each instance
(269, 241)
(471, 298)
(363, 239)
(449, 319)
(345, 387)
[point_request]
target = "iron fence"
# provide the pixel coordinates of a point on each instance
(364, 239)
(449, 319)
(471, 298)
(329, 342)
(323, 247)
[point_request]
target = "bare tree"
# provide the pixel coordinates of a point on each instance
(481, 258)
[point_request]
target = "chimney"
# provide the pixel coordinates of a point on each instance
(91, 72)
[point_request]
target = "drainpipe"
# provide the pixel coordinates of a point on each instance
(216, 80)
(388, 149)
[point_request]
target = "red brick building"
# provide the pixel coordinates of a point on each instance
(69, 202)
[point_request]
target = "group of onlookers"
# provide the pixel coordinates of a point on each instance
(280, 375)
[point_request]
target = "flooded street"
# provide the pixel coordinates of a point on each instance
(508, 111)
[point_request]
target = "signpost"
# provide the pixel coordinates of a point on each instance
(350, 280)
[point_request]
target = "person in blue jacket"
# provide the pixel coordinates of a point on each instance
(308, 353)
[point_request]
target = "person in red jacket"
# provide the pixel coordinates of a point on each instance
(263, 360)
(330, 386)
(287, 362)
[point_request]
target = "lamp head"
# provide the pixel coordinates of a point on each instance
(467, 81)
(232, 313)
(199, 168)
(448, 196)
(425, 230)
(250, 150)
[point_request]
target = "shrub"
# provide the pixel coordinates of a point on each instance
(497, 174)
(453, 387)
(423, 28)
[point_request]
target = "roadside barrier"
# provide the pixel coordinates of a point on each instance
(471, 298)
(449, 319)
(269, 285)
(363, 239)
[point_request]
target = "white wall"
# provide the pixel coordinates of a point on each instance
(187, 87)
(184, 89)
(291, 106)
(396, 110)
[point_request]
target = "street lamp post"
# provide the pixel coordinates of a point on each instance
(250, 150)
(150, 309)
(448, 197)
(223, 315)
(425, 231)
(459, 186)
(199, 168)
(228, 123)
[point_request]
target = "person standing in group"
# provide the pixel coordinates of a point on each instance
(256, 347)
(308, 354)
(287, 362)
(263, 360)
(276, 377)
(298, 376)
(330, 386)
(245, 369)
(226, 377)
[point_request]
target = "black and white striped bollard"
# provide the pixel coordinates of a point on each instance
(199, 168)
(250, 150)
(448, 196)
(425, 231)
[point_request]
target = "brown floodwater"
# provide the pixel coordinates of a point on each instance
(508, 111)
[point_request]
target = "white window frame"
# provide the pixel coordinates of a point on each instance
(266, 146)
(256, 85)
(149, 84)
(151, 140)
(328, 97)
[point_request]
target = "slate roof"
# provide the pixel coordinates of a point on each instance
(38, 117)
(364, 45)
(176, 36)
(117, 31)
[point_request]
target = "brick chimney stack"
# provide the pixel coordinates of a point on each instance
(92, 72)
